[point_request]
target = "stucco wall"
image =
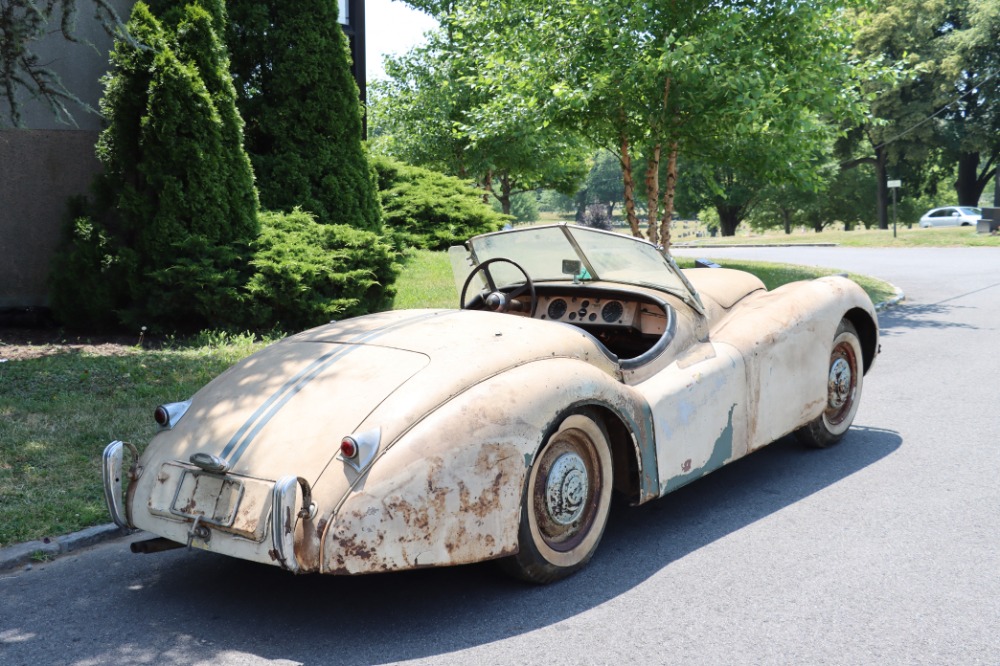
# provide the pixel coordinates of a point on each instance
(46, 162)
(39, 171)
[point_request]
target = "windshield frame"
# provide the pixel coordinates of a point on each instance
(584, 243)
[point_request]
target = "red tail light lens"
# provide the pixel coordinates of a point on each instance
(349, 448)
(162, 416)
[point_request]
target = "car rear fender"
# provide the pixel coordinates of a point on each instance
(448, 490)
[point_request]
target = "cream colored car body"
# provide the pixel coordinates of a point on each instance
(452, 407)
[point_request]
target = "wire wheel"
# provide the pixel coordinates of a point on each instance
(565, 504)
(843, 392)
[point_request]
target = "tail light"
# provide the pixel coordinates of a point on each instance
(167, 416)
(359, 449)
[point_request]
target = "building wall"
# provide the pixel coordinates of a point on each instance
(45, 162)
(39, 171)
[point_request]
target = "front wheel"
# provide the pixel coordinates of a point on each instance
(843, 393)
(565, 504)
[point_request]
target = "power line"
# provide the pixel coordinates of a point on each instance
(975, 89)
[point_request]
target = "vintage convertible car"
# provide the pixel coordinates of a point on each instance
(581, 362)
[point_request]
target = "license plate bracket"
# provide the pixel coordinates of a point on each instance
(211, 498)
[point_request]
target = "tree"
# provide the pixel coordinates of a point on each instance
(604, 181)
(291, 66)
(176, 210)
(941, 111)
(22, 72)
(421, 115)
(666, 79)
(972, 123)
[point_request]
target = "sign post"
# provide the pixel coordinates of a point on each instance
(894, 185)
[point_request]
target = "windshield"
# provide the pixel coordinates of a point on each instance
(547, 252)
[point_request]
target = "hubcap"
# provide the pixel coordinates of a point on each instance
(566, 489)
(839, 387)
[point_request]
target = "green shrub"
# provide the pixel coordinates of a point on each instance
(176, 207)
(429, 210)
(297, 93)
(88, 285)
(306, 273)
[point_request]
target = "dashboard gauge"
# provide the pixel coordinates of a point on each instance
(557, 309)
(612, 312)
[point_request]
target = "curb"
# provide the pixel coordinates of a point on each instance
(895, 300)
(26, 554)
(708, 246)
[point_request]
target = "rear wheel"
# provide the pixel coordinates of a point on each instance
(565, 504)
(843, 393)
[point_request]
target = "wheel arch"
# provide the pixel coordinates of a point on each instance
(625, 455)
(867, 330)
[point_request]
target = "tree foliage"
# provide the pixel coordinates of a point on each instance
(667, 79)
(941, 112)
(291, 65)
(421, 115)
(176, 206)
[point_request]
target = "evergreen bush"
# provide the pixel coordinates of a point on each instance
(306, 273)
(296, 90)
(429, 210)
(176, 207)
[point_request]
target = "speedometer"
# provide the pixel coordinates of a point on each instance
(557, 309)
(612, 312)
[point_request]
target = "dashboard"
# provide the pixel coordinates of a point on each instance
(603, 311)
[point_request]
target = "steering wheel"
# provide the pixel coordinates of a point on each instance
(496, 300)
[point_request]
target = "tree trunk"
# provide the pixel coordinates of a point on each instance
(626, 159)
(996, 189)
(967, 185)
(669, 190)
(729, 218)
(786, 217)
(487, 186)
(652, 193)
(505, 194)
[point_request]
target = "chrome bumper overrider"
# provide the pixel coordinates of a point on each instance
(112, 473)
(284, 498)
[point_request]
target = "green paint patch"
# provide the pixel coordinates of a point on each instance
(722, 452)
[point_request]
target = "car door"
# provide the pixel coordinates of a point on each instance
(699, 411)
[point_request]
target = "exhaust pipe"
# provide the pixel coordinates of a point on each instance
(154, 545)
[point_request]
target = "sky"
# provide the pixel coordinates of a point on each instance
(391, 27)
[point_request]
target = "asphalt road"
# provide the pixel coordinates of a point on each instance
(882, 550)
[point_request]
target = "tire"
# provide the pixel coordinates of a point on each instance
(844, 380)
(565, 503)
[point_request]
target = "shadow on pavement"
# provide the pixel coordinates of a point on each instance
(185, 607)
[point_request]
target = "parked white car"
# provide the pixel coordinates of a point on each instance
(951, 216)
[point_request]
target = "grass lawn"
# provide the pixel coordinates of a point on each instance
(915, 237)
(61, 402)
